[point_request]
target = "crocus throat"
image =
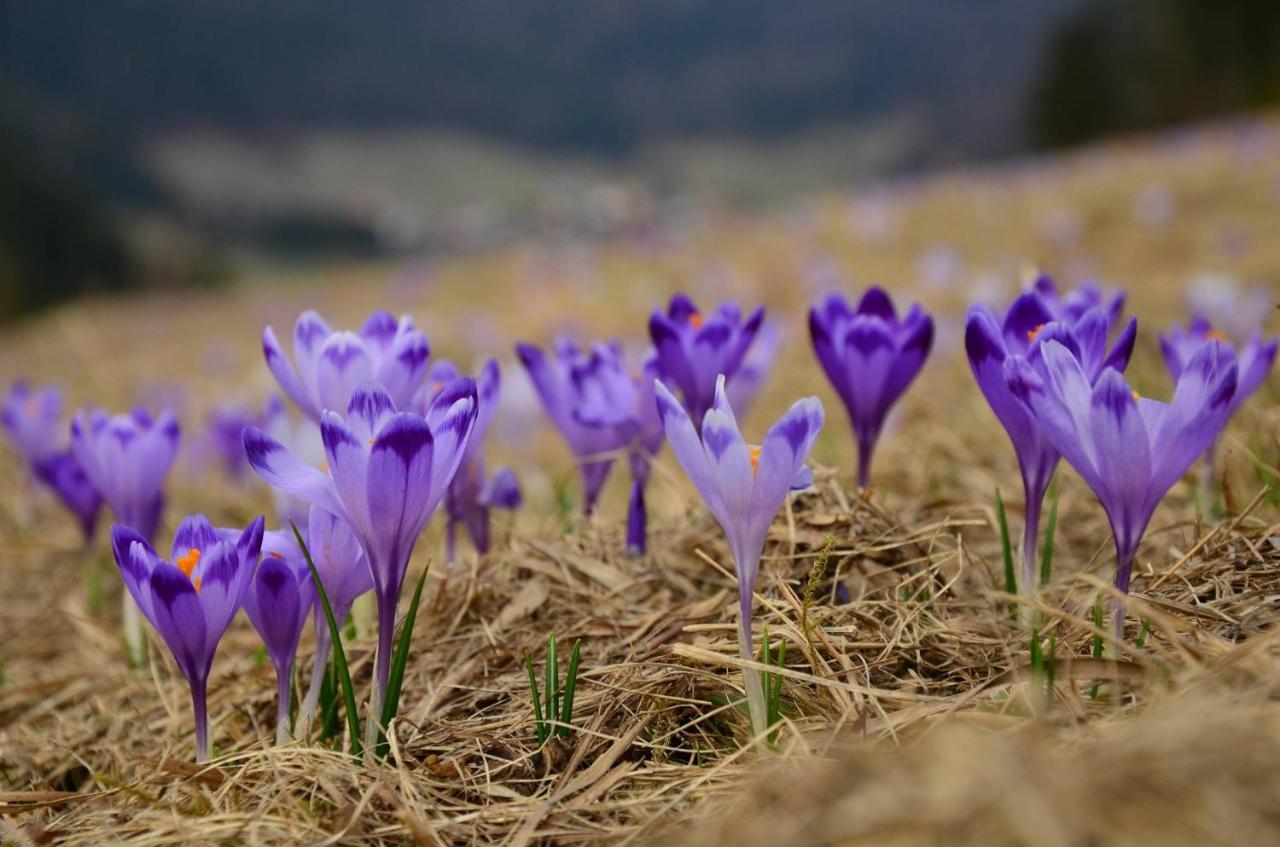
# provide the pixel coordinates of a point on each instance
(755, 458)
(1032, 333)
(696, 320)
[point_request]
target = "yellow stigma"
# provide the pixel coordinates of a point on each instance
(1032, 333)
(755, 458)
(188, 562)
(1136, 396)
(696, 320)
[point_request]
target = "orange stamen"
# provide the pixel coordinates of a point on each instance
(1214, 335)
(196, 584)
(755, 458)
(273, 554)
(188, 563)
(1032, 333)
(436, 386)
(1136, 397)
(696, 320)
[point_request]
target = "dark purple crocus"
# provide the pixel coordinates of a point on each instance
(695, 348)
(345, 575)
(278, 602)
(328, 365)
(989, 342)
(389, 471)
(62, 473)
(127, 458)
(870, 357)
(1072, 305)
(1254, 360)
(1129, 450)
(743, 487)
(32, 420)
(191, 598)
(469, 499)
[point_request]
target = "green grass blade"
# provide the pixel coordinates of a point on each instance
(540, 727)
(1142, 634)
(1097, 641)
(570, 685)
(329, 696)
(775, 706)
(1051, 668)
(1010, 579)
(395, 679)
(551, 685)
(339, 655)
(1046, 556)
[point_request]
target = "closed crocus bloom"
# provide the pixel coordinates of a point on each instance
(345, 575)
(62, 473)
(870, 357)
(465, 503)
(1028, 323)
(694, 349)
(191, 598)
(32, 420)
(277, 603)
(328, 365)
(1130, 450)
(388, 472)
(744, 487)
(127, 459)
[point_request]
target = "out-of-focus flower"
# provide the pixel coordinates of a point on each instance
(468, 500)
(191, 598)
(390, 470)
(694, 349)
(743, 486)
(870, 357)
(224, 428)
(1029, 322)
(1238, 311)
(277, 603)
(1129, 450)
(328, 365)
(127, 458)
(32, 420)
(63, 474)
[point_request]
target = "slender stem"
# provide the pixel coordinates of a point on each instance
(450, 541)
(751, 678)
(387, 602)
(1030, 542)
(637, 518)
(284, 686)
(1207, 482)
(1124, 570)
(200, 711)
(308, 709)
(865, 448)
(133, 638)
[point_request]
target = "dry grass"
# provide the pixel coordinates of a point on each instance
(910, 717)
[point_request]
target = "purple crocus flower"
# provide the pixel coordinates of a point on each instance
(389, 471)
(694, 349)
(329, 364)
(126, 458)
(1072, 305)
(1030, 320)
(468, 500)
(1129, 450)
(32, 420)
(345, 575)
(870, 357)
(589, 396)
(744, 487)
(191, 598)
(224, 429)
(62, 473)
(277, 603)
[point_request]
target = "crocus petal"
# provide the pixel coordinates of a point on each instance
(689, 450)
(398, 492)
(1119, 439)
(369, 410)
(344, 363)
(284, 471)
(403, 368)
(782, 455)
(177, 615)
(286, 377)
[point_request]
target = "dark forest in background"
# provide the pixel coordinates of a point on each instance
(83, 84)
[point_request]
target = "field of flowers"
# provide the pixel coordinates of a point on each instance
(775, 519)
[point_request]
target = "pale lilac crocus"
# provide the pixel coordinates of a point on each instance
(694, 349)
(278, 603)
(345, 575)
(191, 598)
(32, 421)
(127, 459)
(871, 357)
(389, 471)
(743, 487)
(472, 494)
(1255, 358)
(328, 365)
(1030, 319)
(1130, 450)
(224, 427)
